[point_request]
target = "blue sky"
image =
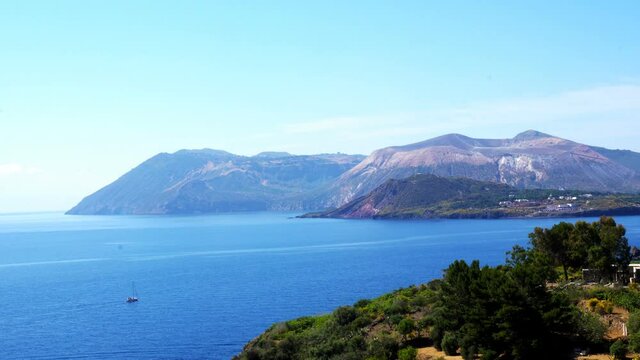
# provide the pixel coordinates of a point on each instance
(89, 89)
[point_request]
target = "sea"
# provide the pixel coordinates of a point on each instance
(209, 284)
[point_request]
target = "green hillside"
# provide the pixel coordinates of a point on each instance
(430, 196)
(524, 309)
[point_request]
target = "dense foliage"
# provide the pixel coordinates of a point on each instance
(504, 312)
(429, 196)
(600, 246)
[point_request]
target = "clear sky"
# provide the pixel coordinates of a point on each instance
(89, 89)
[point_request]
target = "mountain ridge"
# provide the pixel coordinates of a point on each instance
(531, 159)
(207, 180)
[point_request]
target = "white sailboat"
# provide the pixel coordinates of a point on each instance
(134, 295)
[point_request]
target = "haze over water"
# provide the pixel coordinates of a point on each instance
(209, 284)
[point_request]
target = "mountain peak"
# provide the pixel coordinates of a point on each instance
(211, 152)
(530, 135)
(457, 140)
(272, 154)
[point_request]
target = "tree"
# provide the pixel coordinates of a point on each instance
(555, 243)
(600, 246)
(615, 253)
(500, 310)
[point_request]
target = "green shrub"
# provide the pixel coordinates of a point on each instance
(634, 322)
(362, 321)
(299, 325)
(626, 298)
(633, 327)
(419, 301)
(634, 342)
(362, 303)
(398, 306)
(423, 324)
(618, 350)
(589, 327)
(450, 343)
(344, 315)
(383, 347)
(406, 326)
(407, 353)
(489, 355)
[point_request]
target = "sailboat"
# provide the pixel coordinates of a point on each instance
(134, 295)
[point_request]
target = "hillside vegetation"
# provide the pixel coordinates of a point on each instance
(431, 196)
(518, 310)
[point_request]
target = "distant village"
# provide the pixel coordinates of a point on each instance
(561, 203)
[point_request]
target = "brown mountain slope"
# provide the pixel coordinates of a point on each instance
(529, 160)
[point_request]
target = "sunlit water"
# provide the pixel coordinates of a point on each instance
(209, 284)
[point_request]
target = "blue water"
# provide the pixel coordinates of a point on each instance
(209, 284)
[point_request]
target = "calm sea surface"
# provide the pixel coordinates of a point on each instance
(209, 284)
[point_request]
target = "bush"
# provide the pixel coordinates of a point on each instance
(618, 350)
(600, 306)
(296, 325)
(384, 347)
(362, 321)
(634, 342)
(589, 327)
(398, 306)
(489, 355)
(449, 343)
(628, 299)
(423, 324)
(633, 326)
(407, 353)
(344, 315)
(604, 307)
(395, 319)
(406, 326)
(468, 349)
(634, 322)
(362, 303)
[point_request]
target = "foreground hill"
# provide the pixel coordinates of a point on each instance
(529, 160)
(200, 181)
(520, 310)
(431, 196)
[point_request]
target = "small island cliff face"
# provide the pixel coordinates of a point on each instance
(430, 196)
(205, 181)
